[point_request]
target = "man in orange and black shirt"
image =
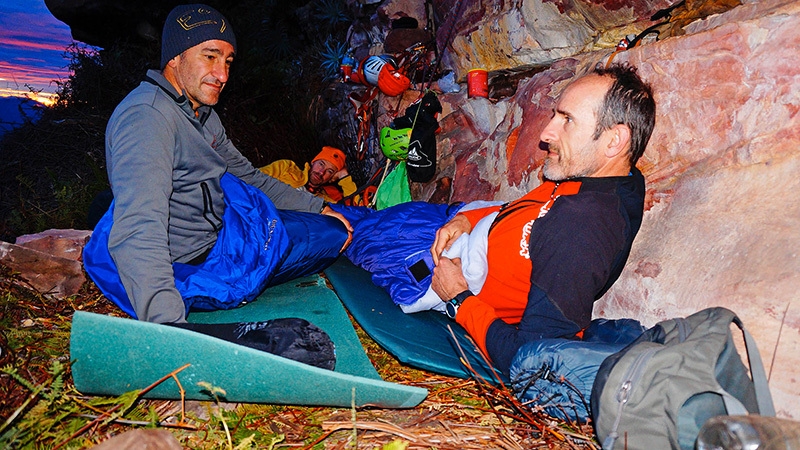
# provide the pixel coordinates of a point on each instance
(559, 248)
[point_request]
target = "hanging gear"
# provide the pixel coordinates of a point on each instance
(431, 27)
(421, 117)
(365, 195)
(356, 76)
(381, 71)
(389, 60)
(392, 82)
(394, 188)
(450, 25)
(371, 69)
(346, 67)
(394, 143)
(363, 106)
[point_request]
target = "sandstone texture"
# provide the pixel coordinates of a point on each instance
(50, 261)
(722, 166)
(141, 439)
(500, 35)
(723, 192)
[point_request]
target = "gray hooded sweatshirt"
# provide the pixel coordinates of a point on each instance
(165, 164)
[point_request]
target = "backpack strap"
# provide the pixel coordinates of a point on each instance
(757, 372)
(732, 405)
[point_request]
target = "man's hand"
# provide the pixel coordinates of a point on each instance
(448, 280)
(339, 175)
(447, 234)
(328, 211)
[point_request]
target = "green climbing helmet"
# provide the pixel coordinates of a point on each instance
(394, 143)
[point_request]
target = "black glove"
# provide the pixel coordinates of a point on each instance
(292, 338)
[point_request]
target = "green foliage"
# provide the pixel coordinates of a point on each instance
(288, 52)
(55, 414)
(40, 424)
(278, 44)
(331, 57)
(53, 168)
(396, 444)
(332, 13)
(52, 197)
(217, 393)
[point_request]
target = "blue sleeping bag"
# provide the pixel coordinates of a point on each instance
(257, 246)
(394, 244)
(558, 374)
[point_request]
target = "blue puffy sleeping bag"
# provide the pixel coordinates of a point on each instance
(558, 374)
(257, 246)
(394, 244)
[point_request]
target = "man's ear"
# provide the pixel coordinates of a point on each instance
(619, 140)
(174, 61)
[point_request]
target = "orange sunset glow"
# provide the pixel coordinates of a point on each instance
(32, 54)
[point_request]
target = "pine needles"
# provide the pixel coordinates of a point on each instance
(42, 423)
(40, 408)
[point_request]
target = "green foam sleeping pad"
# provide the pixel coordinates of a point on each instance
(113, 355)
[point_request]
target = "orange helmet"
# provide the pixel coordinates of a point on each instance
(392, 82)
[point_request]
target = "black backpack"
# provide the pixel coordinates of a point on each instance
(658, 391)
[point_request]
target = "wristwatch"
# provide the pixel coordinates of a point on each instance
(324, 205)
(451, 306)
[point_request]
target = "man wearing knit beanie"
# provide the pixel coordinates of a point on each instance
(326, 176)
(189, 25)
(197, 49)
(186, 199)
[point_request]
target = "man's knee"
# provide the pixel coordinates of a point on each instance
(335, 232)
(315, 244)
(314, 233)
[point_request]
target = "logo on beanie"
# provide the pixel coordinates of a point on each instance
(190, 25)
(185, 21)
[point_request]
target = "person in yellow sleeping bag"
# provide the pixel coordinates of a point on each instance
(326, 176)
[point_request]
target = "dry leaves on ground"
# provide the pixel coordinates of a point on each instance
(457, 414)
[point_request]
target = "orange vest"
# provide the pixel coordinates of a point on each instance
(505, 293)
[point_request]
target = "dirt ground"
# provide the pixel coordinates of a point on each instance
(41, 409)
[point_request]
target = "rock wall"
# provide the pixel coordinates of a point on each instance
(723, 192)
(500, 34)
(722, 228)
(49, 262)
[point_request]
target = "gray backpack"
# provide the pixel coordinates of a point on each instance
(658, 391)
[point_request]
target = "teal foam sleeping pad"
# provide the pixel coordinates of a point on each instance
(112, 356)
(421, 339)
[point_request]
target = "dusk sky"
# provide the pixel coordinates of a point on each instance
(32, 47)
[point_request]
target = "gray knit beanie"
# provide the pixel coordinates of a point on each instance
(189, 25)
